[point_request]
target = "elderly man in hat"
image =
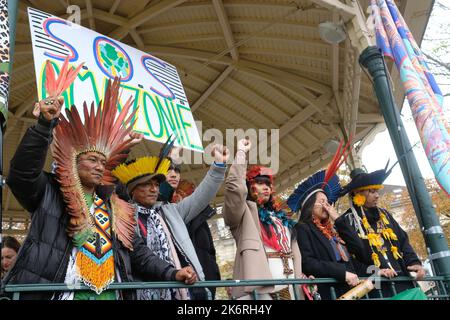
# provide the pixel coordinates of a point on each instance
(372, 234)
(163, 225)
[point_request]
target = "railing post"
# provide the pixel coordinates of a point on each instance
(393, 290)
(295, 289)
(372, 59)
(332, 293)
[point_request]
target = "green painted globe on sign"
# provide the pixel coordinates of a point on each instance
(112, 59)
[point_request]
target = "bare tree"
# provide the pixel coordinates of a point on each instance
(436, 45)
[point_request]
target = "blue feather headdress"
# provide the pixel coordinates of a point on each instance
(311, 185)
(325, 180)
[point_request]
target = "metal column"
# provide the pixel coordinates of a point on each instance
(372, 59)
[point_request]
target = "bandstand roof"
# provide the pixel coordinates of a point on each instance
(243, 63)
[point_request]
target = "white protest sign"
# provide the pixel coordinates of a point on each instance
(153, 83)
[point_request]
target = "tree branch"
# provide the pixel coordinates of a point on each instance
(437, 61)
(442, 6)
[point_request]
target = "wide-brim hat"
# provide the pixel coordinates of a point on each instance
(365, 181)
(141, 170)
(144, 179)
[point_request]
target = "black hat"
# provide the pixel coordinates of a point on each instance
(362, 180)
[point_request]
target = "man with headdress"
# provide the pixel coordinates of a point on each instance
(372, 234)
(163, 225)
(261, 229)
(80, 231)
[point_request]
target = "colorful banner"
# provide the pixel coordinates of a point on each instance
(422, 91)
(4, 60)
(153, 83)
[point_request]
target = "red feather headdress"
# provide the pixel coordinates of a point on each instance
(323, 180)
(101, 133)
(66, 76)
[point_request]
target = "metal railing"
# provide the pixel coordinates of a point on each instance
(436, 292)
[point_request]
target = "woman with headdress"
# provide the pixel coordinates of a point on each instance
(324, 254)
(372, 234)
(262, 230)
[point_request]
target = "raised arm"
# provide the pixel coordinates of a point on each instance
(26, 178)
(192, 206)
(235, 186)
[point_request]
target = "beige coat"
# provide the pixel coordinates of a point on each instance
(242, 218)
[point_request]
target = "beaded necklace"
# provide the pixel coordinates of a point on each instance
(375, 239)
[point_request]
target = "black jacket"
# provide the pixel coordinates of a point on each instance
(202, 240)
(44, 256)
(318, 260)
(361, 250)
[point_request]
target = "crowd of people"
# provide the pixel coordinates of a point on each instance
(99, 218)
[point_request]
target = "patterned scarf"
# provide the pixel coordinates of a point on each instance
(95, 259)
(265, 217)
(330, 233)
(278, 239)
(152, 230)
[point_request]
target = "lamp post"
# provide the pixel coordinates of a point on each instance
(372, 59)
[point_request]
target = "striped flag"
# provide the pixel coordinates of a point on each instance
(424, 96)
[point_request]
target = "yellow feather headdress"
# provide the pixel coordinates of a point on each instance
(144, 166)
(140, 170)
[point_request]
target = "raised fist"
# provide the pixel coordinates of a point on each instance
(50, 107)
(244, 145)
(220, 153)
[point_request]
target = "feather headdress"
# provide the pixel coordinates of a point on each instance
(256, 171)
(325, 180)
(55, 87)
(362, 180)
(143, 169)
(103, 132)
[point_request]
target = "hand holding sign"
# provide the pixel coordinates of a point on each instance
(175, 155)
(136, 137)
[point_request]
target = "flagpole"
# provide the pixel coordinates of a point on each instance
(372, 59)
